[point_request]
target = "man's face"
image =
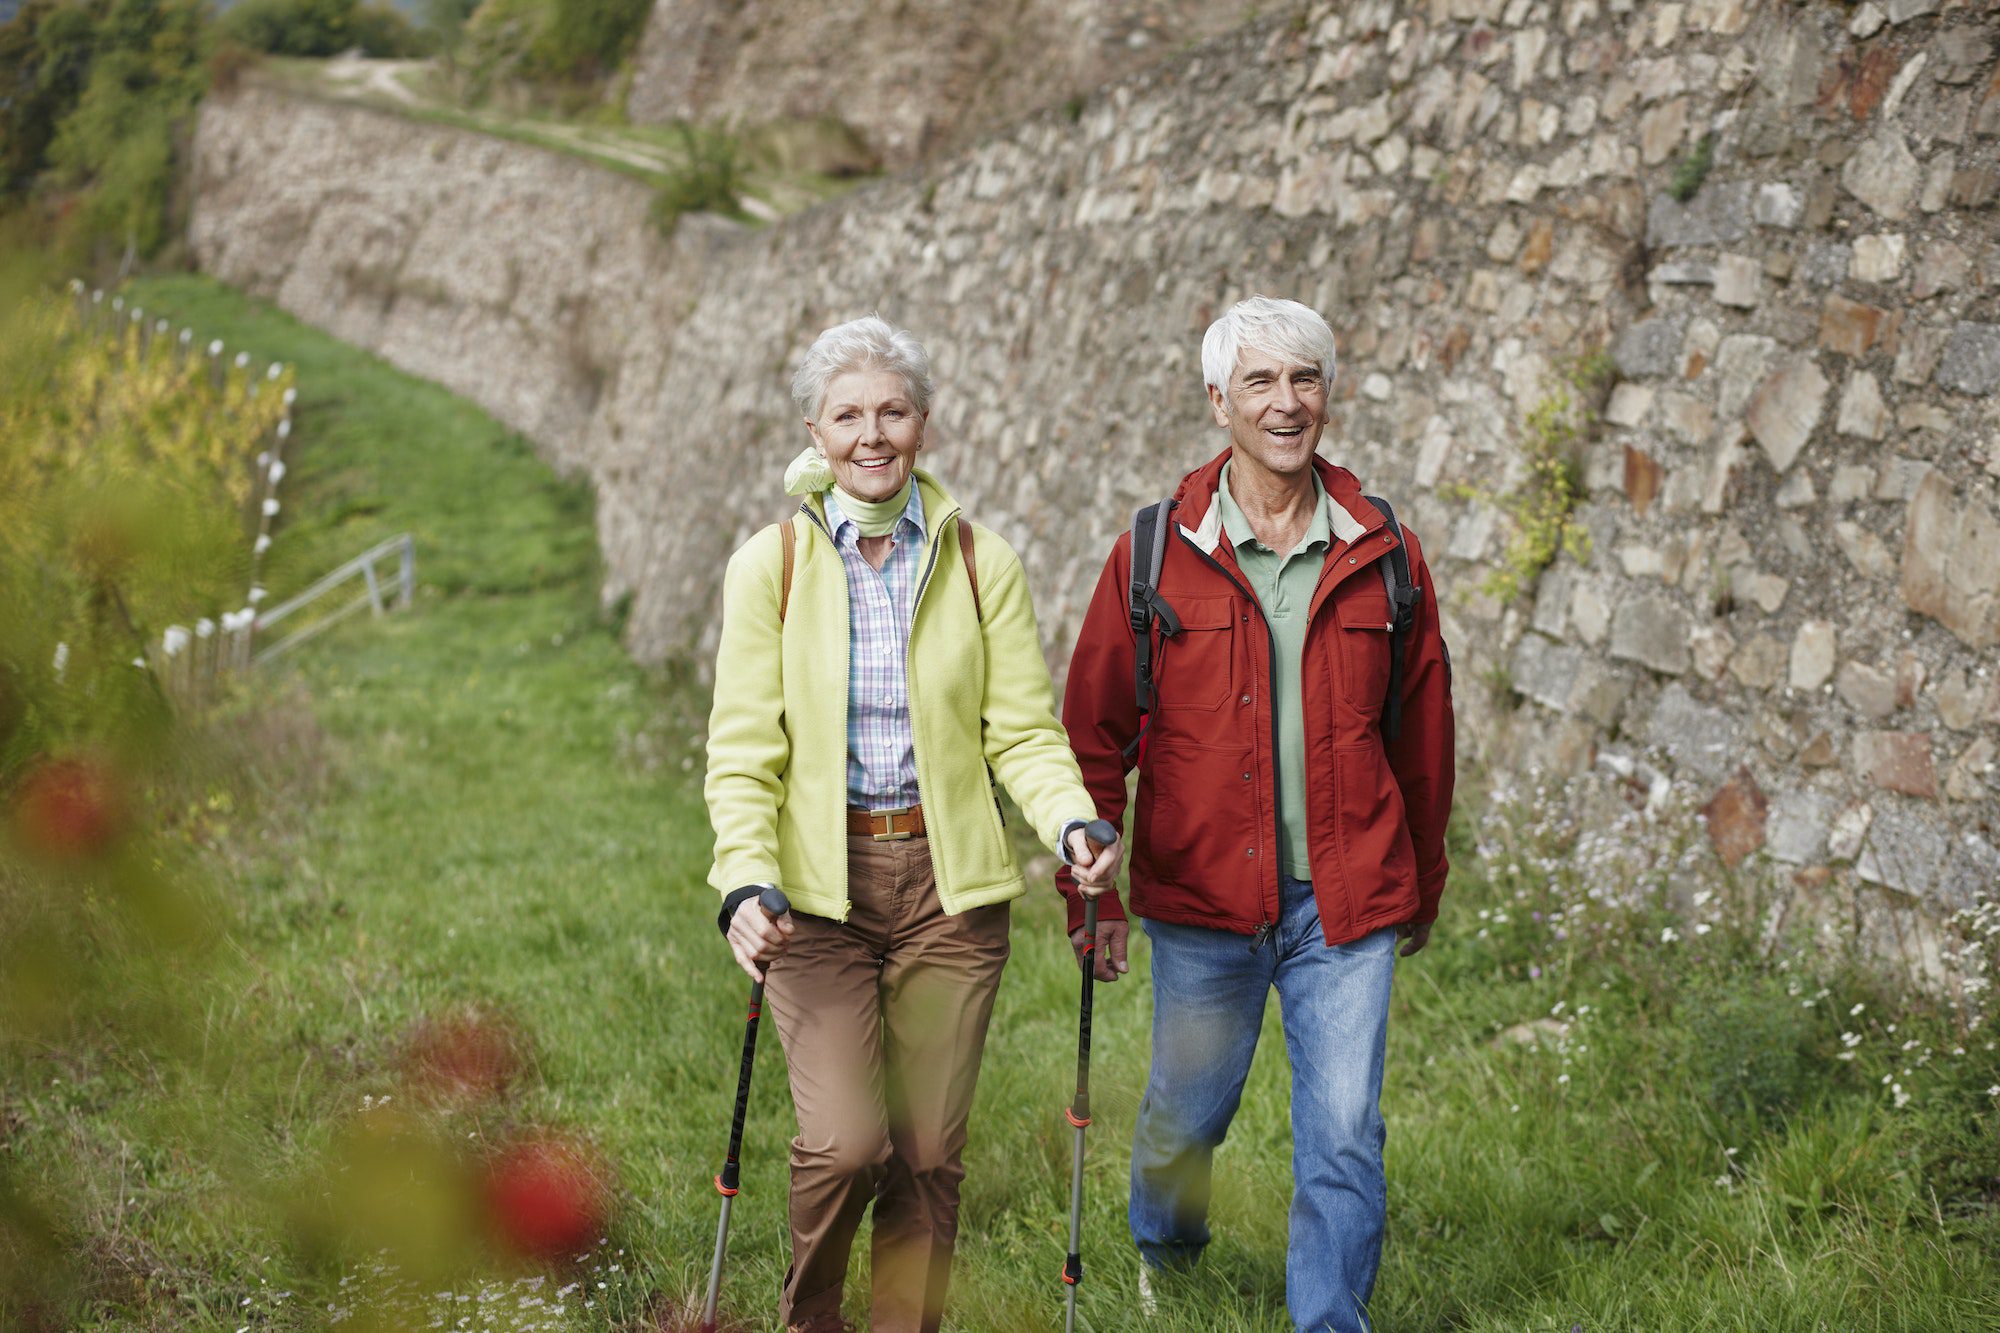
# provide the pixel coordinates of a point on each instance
(1274, 411)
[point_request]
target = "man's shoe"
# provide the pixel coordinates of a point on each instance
(824, 1323)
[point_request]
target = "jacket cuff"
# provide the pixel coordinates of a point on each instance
(1108, 906)
(734, 899)
(1062, 839)
(1430, 889)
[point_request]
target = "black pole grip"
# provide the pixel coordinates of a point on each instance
(1102, 832)
(774, 902)
(1079, 1110)
(727, 1181)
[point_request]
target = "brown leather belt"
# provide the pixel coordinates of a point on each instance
(887, 825)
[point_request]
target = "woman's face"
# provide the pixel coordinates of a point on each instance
(870, 431)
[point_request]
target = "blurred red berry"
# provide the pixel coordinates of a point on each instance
(468, 1055)
(547, 1198)
(68, 809)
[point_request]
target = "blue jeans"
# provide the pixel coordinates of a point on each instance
(1208, 1004)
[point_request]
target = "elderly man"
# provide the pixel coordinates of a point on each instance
(1294, 740)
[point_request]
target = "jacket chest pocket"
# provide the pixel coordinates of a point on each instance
(1196, 668)
(1362, 644)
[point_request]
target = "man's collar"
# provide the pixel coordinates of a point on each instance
(1236, 525)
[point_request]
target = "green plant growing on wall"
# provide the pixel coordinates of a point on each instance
(709, 180)
(1542, 509)
(1693, 169)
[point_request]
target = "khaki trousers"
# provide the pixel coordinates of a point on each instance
(883, 1019)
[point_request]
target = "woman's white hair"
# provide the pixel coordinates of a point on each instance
(868, 343)
(1282, 328)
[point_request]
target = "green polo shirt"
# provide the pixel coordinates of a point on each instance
(1283, 585)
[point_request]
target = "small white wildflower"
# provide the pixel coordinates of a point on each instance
(1856, 1010)
(1668, 935)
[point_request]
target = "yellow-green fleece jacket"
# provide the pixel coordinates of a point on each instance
(981, 708)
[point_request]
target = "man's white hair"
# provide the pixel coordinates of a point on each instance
(868, 343)
(1268, 324)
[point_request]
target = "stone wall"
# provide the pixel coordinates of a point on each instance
(915, 78)
(1790, 596)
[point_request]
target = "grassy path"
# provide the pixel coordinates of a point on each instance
(502, 809)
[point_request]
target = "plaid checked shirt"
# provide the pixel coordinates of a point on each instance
(881, 761)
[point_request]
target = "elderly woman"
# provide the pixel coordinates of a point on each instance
(879, 670)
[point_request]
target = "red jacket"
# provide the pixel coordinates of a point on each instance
(1205, 850)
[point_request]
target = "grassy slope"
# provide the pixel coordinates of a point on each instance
(513, 815)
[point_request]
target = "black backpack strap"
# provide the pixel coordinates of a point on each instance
(1145, 605)
(1403, 594)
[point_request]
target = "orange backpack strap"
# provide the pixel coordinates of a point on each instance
(785, 538)
(971, 569)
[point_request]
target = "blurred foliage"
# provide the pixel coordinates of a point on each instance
(95, 97)
(710, 180)
(568, 47)
(322, 28)
(128, 476)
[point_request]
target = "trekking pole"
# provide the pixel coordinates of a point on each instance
(1100, 833)
(775, 905)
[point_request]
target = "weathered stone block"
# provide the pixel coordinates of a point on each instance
(1951, 563)
(1662, 131)
(1825, 263)
(1652, 630)
(1883, 175)
(1628, 404)
(1717, 215)
(1851, 327)
(1904, 851)
(1971, 362)
(1642, 478)
(1712, 647)
(1760, 663)
(1850, 831)
(1868, 553)
(1869, 692)
(1797, 829)
(1778, 205)
(1545, 671)
(1878, 258)
(1739, 281)
(1590, 613)
(1960, 698)
(1971, 771)
(1863, 414)
(1813, 655)
(1943, 267)
(1736, 817)
(1741, 361)
(1896, 761)
(1918, 352)
(1785, 410)
(1649, 347)
(1973, 187)
(1960, 52)
(1899, 478)
(1696, 737)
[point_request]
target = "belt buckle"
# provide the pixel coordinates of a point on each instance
(893, 835)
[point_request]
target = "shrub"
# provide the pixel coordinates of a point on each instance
(320, 28)
(709, 181)
(101, 90)
(551, 42)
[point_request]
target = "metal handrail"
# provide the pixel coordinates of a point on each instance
(362, 566)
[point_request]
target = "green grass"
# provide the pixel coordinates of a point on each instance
(484, 801)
